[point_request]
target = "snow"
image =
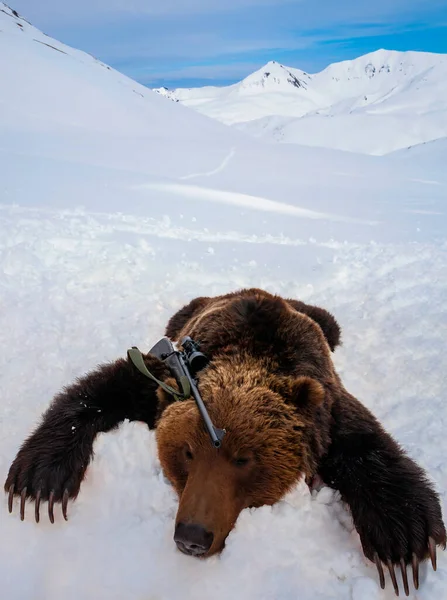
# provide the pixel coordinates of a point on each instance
(376, 104)
(116, 208)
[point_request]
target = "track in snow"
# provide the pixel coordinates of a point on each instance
(215, 171)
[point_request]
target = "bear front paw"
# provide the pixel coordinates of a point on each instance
(401, 527)
(40, 475)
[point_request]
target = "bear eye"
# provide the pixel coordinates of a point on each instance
(188, 454)
(241, 461)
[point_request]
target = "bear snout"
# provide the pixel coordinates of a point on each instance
(193, 539)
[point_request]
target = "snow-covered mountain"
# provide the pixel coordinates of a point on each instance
(116, 208)
(62, 106)
(374, 104)
(253, 97)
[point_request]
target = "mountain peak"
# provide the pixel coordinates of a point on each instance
(274, 76)
(382, 61)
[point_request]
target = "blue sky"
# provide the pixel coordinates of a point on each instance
(216, 42)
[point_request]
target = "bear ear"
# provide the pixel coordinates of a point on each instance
(307, 392)
(185, 314)
(327, 322)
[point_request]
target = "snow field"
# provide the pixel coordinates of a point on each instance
(75, 294)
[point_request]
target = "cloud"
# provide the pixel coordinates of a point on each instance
(311, 13)
(226, 44)
(58, 10)
(232, 71)
(188, 38)
(229, 44)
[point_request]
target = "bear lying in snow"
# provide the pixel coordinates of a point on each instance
(271, 385)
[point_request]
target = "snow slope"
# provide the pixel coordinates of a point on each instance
(116, 207)
(431, 156)
(375, 104)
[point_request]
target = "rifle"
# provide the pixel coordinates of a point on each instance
(184, 365)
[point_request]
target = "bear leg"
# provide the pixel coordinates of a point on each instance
(395, 508)
(51, 463)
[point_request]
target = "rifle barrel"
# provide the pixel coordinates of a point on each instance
(215, 434)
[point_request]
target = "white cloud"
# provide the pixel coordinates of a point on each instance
(56, 10)
(315, 13)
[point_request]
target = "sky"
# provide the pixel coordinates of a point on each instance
(183, 43)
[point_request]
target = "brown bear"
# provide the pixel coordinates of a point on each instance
(271, 385)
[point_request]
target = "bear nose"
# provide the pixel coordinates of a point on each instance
(192, 539)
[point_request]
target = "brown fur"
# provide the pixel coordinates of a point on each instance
(260, 426)
(272, 386)
(271, 383)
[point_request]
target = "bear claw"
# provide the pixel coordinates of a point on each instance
(22, 504)
(37, 506)
(432, 548)
(64, 504)
(415, 566)
(380, 570)
(51, 507)
(10, 497)
(51, 500)
(393, 576)
(403, 567)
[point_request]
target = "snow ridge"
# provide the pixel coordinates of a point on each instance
(380, 102)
